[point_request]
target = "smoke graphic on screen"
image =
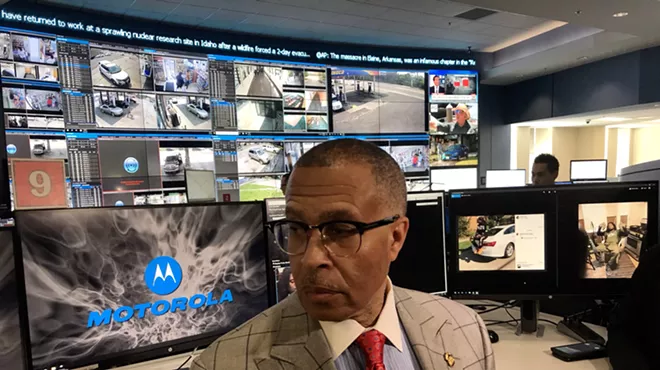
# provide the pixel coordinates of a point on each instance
(77, 261)
(10, 336)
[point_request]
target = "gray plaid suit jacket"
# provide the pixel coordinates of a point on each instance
(284, 337)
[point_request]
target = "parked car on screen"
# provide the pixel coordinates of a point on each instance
(114, 73)
(336, 104)
(173, 164)
(500, 242)
(113, 111)
(455, 153)
(39, 149)
(259, 154)
(199, 112)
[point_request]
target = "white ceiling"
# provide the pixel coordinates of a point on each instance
(524, 39)
(418, 23)
(631, 116)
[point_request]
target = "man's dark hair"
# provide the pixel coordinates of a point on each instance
(549, 160)
(436, 76)
(388, 178)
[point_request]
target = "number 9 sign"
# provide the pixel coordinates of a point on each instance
(38, 184)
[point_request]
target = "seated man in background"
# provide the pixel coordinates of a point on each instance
(346, 222)
(545, 170)
(633, 340)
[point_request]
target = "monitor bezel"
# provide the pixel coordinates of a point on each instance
(140, 354)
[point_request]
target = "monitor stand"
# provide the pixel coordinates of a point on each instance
(575, 328)
(529, 319)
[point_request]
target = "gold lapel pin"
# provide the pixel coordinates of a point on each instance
(449, 359)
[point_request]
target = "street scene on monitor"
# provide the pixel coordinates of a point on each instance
(48, 149)
(373, 101)
(265, 157)
(179, 112)
(126, 110)
(174, 161)
(411, 158)
(501, 242)
(612, 234)
(121, 69)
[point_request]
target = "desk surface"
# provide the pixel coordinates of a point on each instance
(527, 351)
(512, 352)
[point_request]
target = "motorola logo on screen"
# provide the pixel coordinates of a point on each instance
(162, 276)
(131, 165)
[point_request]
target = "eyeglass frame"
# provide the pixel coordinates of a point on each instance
(361, 227)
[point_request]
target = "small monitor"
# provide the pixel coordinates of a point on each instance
(447, 179)
(603, 231)
(589, 170)
(424, 249)
(200, 186)
(505, 178)
(129, 284)
(502, 243)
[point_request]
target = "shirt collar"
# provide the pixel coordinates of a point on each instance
(341, 334)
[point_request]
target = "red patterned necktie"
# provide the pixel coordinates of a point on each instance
(372, 343)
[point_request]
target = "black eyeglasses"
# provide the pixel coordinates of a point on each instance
(340, 238)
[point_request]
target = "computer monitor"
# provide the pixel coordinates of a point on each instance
(11, 348)
(447, 179)
(602, 231)
(589, 170)
(502, 243)
(505, 178)
(110, 286)
(284, 283)
(200, 185)
(420, 264)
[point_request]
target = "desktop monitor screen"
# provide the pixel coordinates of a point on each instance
(11, 351)
(505, 178)
(424, 249)
(603, 231)
(113, 285)
(595, 170)
(502, 242)
(284, 283)
(453, 178)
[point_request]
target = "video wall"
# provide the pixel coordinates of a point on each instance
(91, 124)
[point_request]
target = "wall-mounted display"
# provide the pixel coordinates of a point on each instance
(130, 121)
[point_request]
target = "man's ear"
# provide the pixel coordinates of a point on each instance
(399, 233)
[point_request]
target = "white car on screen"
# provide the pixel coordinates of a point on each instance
(114, 73)
(199, 112)
(259, 154)
(113, 111)
(500, 242)
(336, 104)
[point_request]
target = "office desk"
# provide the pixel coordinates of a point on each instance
(512, 352)
(527, 351)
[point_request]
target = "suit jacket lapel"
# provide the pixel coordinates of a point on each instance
(430, 336)
(300, 340)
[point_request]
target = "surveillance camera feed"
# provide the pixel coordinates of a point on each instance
(501, 242)
(10, 331)
(120, 69)
(101, 282)
(260, 187)
(377, 101)
(612, 234)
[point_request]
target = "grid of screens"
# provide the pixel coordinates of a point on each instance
(127, 123)
(453, 118)
(114, 282)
